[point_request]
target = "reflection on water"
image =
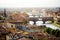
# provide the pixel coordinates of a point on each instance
(51, 26)
(31, 22)
(38, 23)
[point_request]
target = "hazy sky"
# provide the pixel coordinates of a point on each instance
(29, 3)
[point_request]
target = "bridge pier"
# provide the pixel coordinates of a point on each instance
(34, 22)
(43, 22)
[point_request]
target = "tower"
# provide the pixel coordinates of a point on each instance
(4, 13)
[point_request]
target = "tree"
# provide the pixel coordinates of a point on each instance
(57, 33)
(2, 18)
(53, 32)
(48, 30)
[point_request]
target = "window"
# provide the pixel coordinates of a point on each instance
(12, 26)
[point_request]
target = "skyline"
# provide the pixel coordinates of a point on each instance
(29, 11)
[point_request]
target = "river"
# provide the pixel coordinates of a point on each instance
(47, 24)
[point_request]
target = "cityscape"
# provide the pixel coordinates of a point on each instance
(30, 23)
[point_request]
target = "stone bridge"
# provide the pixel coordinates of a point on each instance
(44, 19)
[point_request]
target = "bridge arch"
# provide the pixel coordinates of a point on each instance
(39, 22)
(31, 22)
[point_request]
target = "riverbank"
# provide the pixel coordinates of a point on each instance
(55, 24)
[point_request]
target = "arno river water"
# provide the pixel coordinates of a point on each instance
(47, 24)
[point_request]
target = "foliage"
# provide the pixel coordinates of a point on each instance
(56, 24)
(48, 30)
(53, 32)
(2, 18)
